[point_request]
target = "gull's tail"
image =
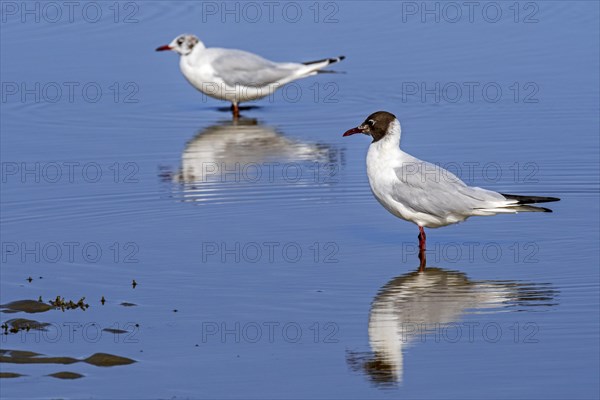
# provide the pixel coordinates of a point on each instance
(515, 204)
(326, 61)
(314, 67)
(522, 203)
(529, 199)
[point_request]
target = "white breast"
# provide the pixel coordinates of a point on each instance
(198, 71)
(382, 158)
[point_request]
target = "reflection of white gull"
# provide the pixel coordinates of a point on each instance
(412, 305)
(241, 146)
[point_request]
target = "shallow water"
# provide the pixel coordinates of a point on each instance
(263, 267)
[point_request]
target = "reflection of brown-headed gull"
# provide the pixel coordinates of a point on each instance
(424, 193)
(220, 150)
(419, 303)
(235, 75)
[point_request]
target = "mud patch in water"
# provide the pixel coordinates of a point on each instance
(19, 324)
(28, 306)
(66, 375)
(10, 375)
(115, 331)
(107, 360)
(30, 357)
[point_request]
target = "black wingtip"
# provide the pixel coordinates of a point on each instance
(330, 60)
(530, 199)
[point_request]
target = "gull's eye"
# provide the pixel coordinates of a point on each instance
(180, 41)
(371, 122)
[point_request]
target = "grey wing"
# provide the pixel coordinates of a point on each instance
(237, 67)
(428, 188)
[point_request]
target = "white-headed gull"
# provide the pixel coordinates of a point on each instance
(424, 193)
(236, 75)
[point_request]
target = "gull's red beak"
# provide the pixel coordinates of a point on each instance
(352, 131)
(163, 48)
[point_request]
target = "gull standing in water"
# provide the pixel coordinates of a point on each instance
(424, 193)
(236, 75)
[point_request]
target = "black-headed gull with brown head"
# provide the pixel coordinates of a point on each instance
(424, 193)
(236, 75)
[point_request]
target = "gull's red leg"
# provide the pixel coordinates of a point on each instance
(236, 110)
(422, 258)
(422, 238)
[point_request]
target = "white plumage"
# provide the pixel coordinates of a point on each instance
(236, 75)
(424, 193)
